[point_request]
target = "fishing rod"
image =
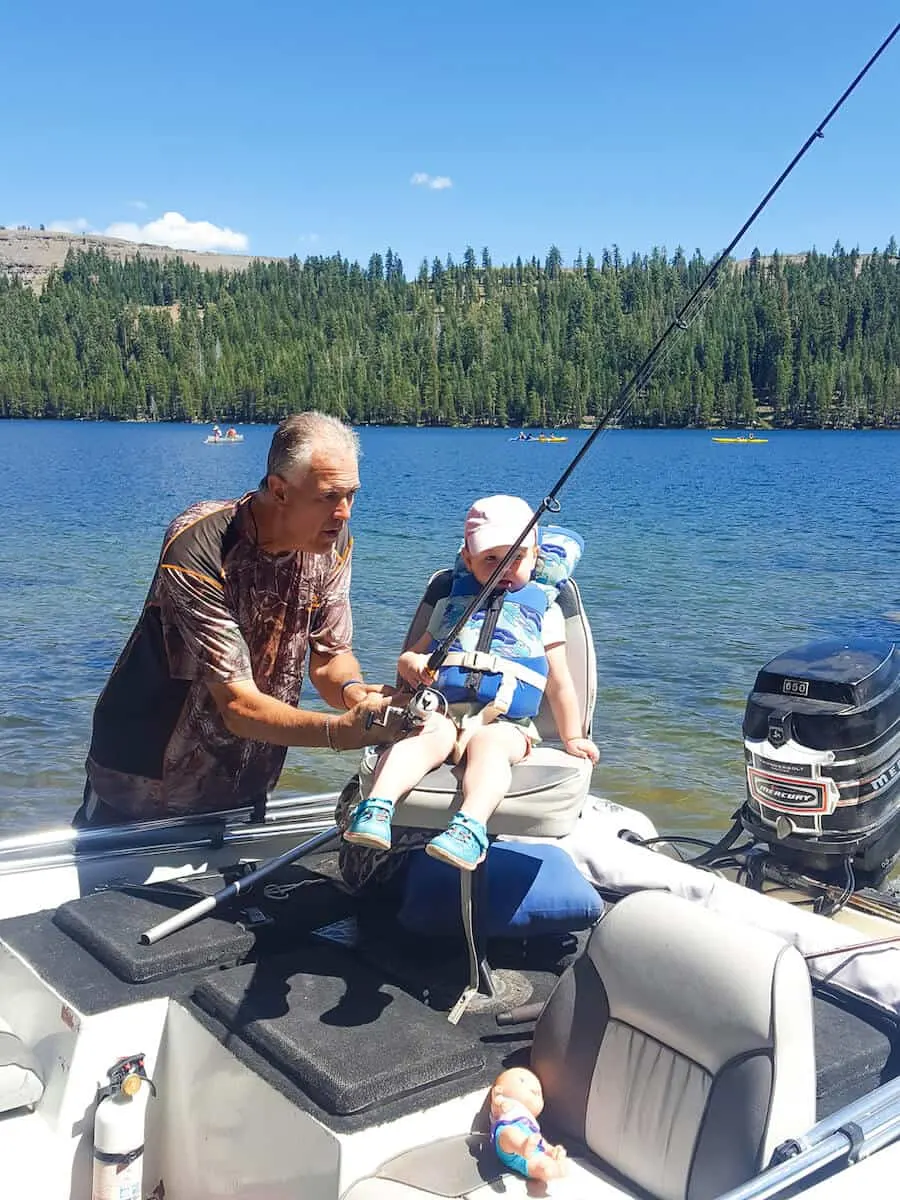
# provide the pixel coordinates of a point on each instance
(620, 406)
(426, 698)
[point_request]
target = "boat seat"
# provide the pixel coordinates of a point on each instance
(549, 789)
(21, 1078)
(675, 1055)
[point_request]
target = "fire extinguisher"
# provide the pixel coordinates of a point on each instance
(119, 1131)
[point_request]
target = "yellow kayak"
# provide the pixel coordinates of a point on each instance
(743, 441)
(542, 438)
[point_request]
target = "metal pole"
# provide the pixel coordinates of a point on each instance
(189, 915)
(845, 1132)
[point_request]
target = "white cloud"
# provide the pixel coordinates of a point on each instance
(78, 225)
(437, 183)
(175, 230)
(140, 205)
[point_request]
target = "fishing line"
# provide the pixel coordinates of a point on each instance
(681, 321)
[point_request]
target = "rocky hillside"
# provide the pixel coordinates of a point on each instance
(31, 254)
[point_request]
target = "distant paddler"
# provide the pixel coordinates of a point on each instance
(202, 704)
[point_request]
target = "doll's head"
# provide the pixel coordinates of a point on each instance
(518, 1084)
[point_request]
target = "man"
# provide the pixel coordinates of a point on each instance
(201, 705)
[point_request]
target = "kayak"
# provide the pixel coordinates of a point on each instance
(539, 438)
(754, 442)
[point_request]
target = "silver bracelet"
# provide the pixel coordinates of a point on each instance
(330, 743)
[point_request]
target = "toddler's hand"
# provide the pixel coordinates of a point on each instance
(581, 747)
(413, 668)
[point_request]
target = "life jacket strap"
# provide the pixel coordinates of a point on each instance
(494, 664)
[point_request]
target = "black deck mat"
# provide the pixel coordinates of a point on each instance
(856, 1051)
(435, 970)
(348, 1037)
(91, 986)
(109, 925)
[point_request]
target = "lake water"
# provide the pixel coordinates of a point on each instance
(702, 562)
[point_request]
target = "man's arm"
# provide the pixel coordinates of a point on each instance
(252, 714)
(328, 674)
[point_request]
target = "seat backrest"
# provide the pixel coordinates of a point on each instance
(579, 648)
(679, 1047)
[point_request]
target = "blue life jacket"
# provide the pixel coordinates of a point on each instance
(498, 658)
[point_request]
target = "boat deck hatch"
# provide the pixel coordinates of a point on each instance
(348, 1038)
(109, 923)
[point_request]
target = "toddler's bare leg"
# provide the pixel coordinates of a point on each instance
(405, 763)
(490, 753)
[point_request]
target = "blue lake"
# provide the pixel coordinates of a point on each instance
(702, 562)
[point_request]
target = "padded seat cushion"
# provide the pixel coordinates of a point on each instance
(313, 1016)
(545, 798)
(679, 1047)
(531, 890)
(109, 925)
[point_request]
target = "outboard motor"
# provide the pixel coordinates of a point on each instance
(822, 750)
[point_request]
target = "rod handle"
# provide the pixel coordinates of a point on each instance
(186, 917)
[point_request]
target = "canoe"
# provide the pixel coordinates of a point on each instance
(224, 441)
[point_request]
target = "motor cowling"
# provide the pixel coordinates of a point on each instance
(822, 752)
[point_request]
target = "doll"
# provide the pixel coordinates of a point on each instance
(516, 1102)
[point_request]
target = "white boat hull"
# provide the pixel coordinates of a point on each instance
(218, 1127)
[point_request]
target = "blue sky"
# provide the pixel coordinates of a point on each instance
(291, 128)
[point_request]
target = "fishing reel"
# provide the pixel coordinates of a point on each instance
(423, 702)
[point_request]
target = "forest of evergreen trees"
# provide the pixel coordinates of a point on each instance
(808, 342)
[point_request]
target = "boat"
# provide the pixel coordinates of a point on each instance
(224, 439)
(728, 1027)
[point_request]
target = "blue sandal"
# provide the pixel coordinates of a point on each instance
(371, 824)
(463, 843)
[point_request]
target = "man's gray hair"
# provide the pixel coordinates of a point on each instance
(297, 439)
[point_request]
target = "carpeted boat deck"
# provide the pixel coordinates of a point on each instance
(326, 998)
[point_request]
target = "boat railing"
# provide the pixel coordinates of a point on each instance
(299, 816)
(849, 1135)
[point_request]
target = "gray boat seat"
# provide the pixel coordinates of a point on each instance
(675, 1055)
(549, 789)
(21, 1078)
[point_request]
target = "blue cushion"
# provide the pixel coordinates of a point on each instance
(532, 888)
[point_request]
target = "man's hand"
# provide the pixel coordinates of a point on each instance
(362, 725)
(356, 692)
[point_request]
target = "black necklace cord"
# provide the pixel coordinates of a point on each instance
(641, 376)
